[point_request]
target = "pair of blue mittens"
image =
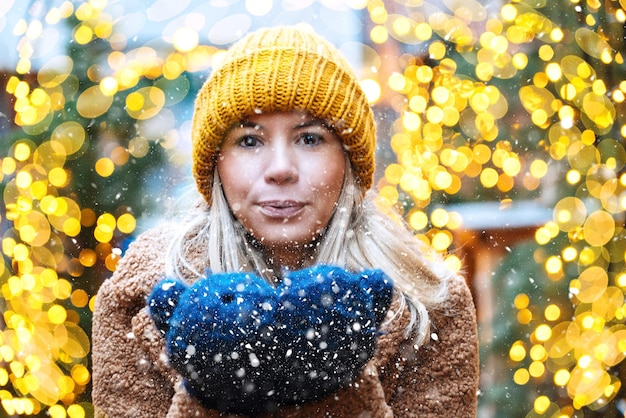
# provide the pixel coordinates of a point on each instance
(245, 347)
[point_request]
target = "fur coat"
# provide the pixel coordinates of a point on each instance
(131, 377)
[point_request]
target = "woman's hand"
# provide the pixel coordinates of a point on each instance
(244, 346)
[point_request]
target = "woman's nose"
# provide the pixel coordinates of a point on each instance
(282, 165)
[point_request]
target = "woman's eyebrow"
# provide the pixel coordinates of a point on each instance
(247, 124)
(243, 124)
(304, 124)
(315, 122)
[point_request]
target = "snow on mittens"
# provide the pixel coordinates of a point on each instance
(244, 346)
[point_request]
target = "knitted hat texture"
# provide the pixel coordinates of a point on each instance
(282, 69)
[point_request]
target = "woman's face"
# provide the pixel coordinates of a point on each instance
(282, 174)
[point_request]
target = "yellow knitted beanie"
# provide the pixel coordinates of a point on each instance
(282, 69)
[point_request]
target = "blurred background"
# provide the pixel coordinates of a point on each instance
(501, 133)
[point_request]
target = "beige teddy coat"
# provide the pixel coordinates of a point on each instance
(131, 377)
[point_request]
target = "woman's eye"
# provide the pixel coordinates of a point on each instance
(311, 139)
(248, 141)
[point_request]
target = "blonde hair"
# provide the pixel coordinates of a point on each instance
(359, 236)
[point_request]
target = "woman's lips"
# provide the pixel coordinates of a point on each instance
(280, 208)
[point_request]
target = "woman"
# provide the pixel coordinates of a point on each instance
(283, 156)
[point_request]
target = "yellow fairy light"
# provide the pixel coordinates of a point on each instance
(517, 352)
(521, 301)
(620, 280)
(599, 228)
(489, 177)
(57, 411)
(569, 253)
(418, 220)
(537, 369)
(508, 12)
(126, 223)
(418, 104)
(511, 166)
(62, 289)
(573, 176)
(437, 50)
(439, 217)
(76, 411)
(411, 121)
(372, 90)
(599, 87)
(379, 34)
(542, 236)
(423, 31)
(71, 227)
(524, 316)
(79, 298)
(554, 265)
(434, 114)
(453, 263)
(538, 169)
(108, 86)
(377, 10)
(103, 233)
(58, 177)
(546, 52)
(561, 377)
(424, 74)
(584, 361)
(543, 333)
(567, 115)
(20, 252)
(482, 153)
(389, 194)
(111, 261)
(552, 312)
(441, 241)
(7, 353)
(83, 34)
(104, 167)
(21, 151)
(397, 81)
(557, 35)
(9, 165)
(80, 374)
(541, 404)
(393, 173)
(57, 314)
(521, 377)
(186, 39)
(553, 71)
(401, 25)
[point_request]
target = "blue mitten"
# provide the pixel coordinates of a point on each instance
(163, 300)
(243, 346)
(208, 336)
(329, 319)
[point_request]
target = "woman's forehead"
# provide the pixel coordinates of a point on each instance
(295, 118)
